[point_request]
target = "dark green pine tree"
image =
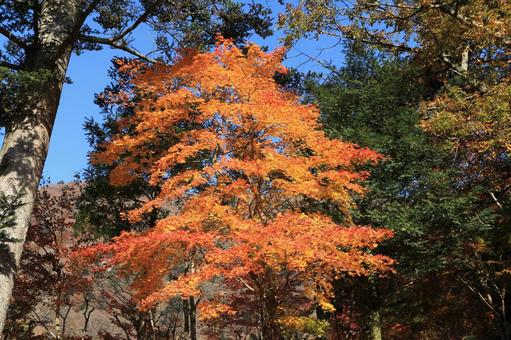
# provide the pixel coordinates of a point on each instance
(417, 191)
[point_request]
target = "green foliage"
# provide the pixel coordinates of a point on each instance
(15, 86)
(298, 326)
(417, 192)
(8, 204)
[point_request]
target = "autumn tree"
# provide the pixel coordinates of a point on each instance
(114, 300)
(248, 166)
(446, 36)
(38, 38)
(47, 287)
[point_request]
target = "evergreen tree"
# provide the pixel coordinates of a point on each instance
(416, 192)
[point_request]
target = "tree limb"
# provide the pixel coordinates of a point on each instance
(15, 67)
(9, 35)
(137, 22)
(121, 45)
(454, 13)
(77, 27)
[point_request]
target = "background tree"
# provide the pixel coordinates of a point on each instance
(47, 288)
(455, 37)
(460, 50)
(40, 38)
(439, 216)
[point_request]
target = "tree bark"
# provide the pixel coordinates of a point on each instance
(375, 325)
(22, 159)
(28, 132)
(186, 316)
(193, 319)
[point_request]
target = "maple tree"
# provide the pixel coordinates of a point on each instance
(47, 285)
(247, 165)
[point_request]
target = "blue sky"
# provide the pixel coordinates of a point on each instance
(88, 72)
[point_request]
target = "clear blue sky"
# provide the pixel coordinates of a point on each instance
(68, 147)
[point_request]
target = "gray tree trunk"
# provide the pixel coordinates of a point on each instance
(28, 133)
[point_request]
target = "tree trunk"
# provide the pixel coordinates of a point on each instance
(186, 316)
(21, 163)
(375, 325)
(193, 319)
(28, 132)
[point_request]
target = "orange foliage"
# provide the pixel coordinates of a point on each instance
(247, 165)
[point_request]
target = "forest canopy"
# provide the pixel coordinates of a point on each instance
(230, 196)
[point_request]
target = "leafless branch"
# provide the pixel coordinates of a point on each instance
(246, 284)
(321, 62)
(12, 37)
(496, 200)
(476, 292)
(121, 45)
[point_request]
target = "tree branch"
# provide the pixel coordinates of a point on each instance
(121, 45)
(15, 67)
(454, 13)
(142, 18)
(137, 22)
(9, 35)
(323, 63)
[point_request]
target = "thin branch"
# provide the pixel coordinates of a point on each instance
(119, 45)
(246, 284)
(137, 22)
(321, 62)
(15, 67)
(142, 18)
(9, 35)
(475, 291)
(496, 200)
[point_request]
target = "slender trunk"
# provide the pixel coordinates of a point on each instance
(271, 329)
(193, 319)
(186, 316)
(375, 325)
(27, 134)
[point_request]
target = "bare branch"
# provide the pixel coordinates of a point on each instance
(121, 45)
(246, 284)
(9, 35)
(496, 200)
(476, 292)
(321, 62)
